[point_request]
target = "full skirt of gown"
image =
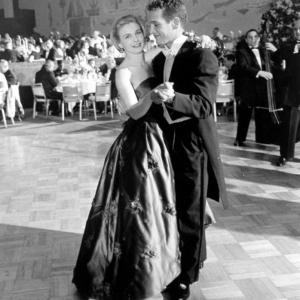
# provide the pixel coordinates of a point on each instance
(129, 248)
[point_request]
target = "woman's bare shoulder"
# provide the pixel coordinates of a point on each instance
(123, 70)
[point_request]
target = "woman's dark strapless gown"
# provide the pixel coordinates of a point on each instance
(129, 248)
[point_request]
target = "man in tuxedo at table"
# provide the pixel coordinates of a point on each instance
(252, 84)
(47, 78)
(192, 137)
(290, 131)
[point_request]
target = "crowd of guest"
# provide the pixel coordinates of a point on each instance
(55, 47)
(241, 58)
(93, 55)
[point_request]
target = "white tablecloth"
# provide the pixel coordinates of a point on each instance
(85, 86)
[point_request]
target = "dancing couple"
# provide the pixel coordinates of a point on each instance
(145, 233)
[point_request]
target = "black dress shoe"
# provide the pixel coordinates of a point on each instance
(177, 291)
(238, 143)
(281, 161)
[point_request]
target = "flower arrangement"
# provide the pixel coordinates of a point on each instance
(277, 22)
(204, 41)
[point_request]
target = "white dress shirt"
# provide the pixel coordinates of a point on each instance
(170, 54)
(3, 83)
(257, 56)
(297, 48)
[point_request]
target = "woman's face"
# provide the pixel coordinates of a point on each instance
(131, 38)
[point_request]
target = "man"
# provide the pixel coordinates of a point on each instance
(47, 78)
(97, 39)
(193, 142)
(13, 89)
(48, 52)
(252, 84)
(291, 110)
(230, 63)
(9, 53)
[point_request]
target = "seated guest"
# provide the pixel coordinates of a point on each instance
(68, 46)
(7, 38)
(92, 68)
(13, 91)
(60, 70)
(33, 52)
(96, 50)
(48, 51)
(47, 78)
(60, 52)
(83, 53)
(99, 39)
(20, 48)
(9, 54)
(230, 64)
(107, 66)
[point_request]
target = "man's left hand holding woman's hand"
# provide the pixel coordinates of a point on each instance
(163, 93)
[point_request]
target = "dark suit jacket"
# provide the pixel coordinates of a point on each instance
(194, 74)
(11, 78)
(253, 91)
(51, 54)
(293, 71)
(48, 80)
(291, 76)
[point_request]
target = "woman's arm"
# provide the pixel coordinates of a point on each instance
(128, 100)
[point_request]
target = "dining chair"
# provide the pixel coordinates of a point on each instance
(39, 96)
(71, 94)
(103, 94)
(225, 94)
(2, 101)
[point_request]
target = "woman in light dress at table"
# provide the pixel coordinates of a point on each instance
(129, 248)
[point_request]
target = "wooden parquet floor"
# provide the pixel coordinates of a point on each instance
(49, 172)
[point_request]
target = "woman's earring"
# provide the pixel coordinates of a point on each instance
(121, 49)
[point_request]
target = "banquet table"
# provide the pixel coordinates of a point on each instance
(85, 86)
(25, 72)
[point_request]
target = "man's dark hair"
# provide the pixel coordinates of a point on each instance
(230, 57)
(250, 30)
(171, 9)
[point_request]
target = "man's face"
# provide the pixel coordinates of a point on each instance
(163, 31)
(252, 39)
(297, 30)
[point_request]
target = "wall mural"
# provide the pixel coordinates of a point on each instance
(204, 15)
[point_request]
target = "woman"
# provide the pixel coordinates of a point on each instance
(129, 248)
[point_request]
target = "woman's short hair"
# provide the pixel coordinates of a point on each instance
(170, 9)
(119, 23)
